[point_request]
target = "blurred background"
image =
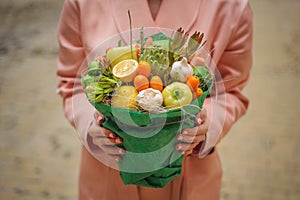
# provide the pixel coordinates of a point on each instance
(40, 151)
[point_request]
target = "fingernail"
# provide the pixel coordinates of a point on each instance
(111, 135)
(118, 141)
(179, 137)
(184, 132)
(121, 151)
(117, 159)
(199, 120)
(178, 147)
(182, 153)
(99, 119)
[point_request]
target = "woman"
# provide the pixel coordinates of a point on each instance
(227, 26)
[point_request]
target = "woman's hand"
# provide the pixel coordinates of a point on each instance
(198, 60)
(105, 141)
(189, 138)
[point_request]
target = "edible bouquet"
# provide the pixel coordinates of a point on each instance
(149, 91)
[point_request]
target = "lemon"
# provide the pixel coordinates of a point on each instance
(126, 70)
(124, 97)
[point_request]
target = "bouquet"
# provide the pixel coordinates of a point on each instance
(148, 91)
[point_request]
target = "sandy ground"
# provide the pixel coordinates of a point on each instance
(40, 152)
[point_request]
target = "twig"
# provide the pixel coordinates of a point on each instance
(130, 24)
(142, 39)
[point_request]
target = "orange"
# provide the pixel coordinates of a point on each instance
(141, 82)
(144, 68)
(156, 83)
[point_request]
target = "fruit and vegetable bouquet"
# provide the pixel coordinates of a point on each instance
(149, 91)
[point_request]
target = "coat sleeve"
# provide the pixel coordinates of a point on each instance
(71, 54)
(228, 104)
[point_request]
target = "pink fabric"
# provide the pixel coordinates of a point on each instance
(199, 180)
(228, 29)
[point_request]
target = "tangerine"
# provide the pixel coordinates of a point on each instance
(141, 82)
(193, 82)
(198, 92)
(144, 68)
(156, 83)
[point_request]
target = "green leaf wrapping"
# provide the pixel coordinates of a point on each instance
(149, 140)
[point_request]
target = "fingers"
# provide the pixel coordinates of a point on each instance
(108, 147)
(191, 137)
(195, 131)
(113, 138)
(201, 116)
(198, 60)
(185, 149)
(98, 117)
(109, 160)
(188, 142)
(113, 150)
(105, 140)
(102, 136)
(149, 42)
(96, 131)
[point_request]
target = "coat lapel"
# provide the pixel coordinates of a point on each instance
(172, 14)
(140, 14)
(178, 13)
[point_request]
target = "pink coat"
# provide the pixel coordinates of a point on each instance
(227, 25)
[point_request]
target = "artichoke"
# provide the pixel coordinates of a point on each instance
(183, 45)
(158, 58)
